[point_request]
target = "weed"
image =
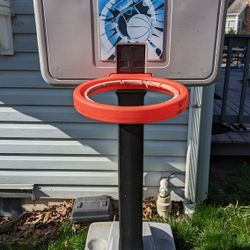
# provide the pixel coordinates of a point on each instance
(68, 239)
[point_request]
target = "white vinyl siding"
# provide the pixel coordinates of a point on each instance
(45, 142)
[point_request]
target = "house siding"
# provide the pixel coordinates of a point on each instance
(45, 142)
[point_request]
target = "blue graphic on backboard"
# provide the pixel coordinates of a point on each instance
(123, 21)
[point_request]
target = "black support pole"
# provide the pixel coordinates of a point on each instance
(130, 59)
(130, 178)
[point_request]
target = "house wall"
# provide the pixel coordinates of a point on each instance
(44, 142)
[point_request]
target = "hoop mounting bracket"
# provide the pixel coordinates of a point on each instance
(131, 58)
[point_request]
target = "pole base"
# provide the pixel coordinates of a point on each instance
(105, 236)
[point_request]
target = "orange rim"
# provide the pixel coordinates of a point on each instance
(131, 114)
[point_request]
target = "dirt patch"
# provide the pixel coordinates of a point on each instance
(37, 226)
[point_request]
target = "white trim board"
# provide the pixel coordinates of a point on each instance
(6, 37)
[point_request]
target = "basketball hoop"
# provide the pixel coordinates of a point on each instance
(130, 114)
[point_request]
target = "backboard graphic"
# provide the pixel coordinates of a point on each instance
(123, 21)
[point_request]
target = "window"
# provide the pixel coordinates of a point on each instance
(6, 38)
(230, 26)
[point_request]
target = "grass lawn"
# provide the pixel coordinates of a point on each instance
(210, 228)
(222, 223)
(67, 239)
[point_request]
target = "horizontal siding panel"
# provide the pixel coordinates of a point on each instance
(94, 178)
(165, 163)
(53, 96)
(36, 96)
(61, 96)
(59, 178)
(83, 147)
(41, 114)
(87, 147)
(59, 131)
(90, 163)
(105, 163)
(88, 131)
(59, 114)
(21, 61)
(22, 79)
(166, 132)
(25, 43)
(23, 7)
(73, 192)
(154, 178)
(24, 24)
(163, 148)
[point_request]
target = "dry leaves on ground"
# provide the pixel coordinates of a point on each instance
(149, 209)
(39, 226)
(4, 220)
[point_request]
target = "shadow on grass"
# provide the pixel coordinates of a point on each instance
(229, 181)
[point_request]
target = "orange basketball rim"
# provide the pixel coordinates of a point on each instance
(131, 114)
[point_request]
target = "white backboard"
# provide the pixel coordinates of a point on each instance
(77, 38)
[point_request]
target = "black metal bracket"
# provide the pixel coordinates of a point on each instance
(130, 58)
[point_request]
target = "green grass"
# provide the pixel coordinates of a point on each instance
(213, 228)
(68, 239)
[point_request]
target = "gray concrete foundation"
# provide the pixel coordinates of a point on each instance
(105, 236)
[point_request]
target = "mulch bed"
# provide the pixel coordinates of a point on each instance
(37, 226)
(42, 226)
